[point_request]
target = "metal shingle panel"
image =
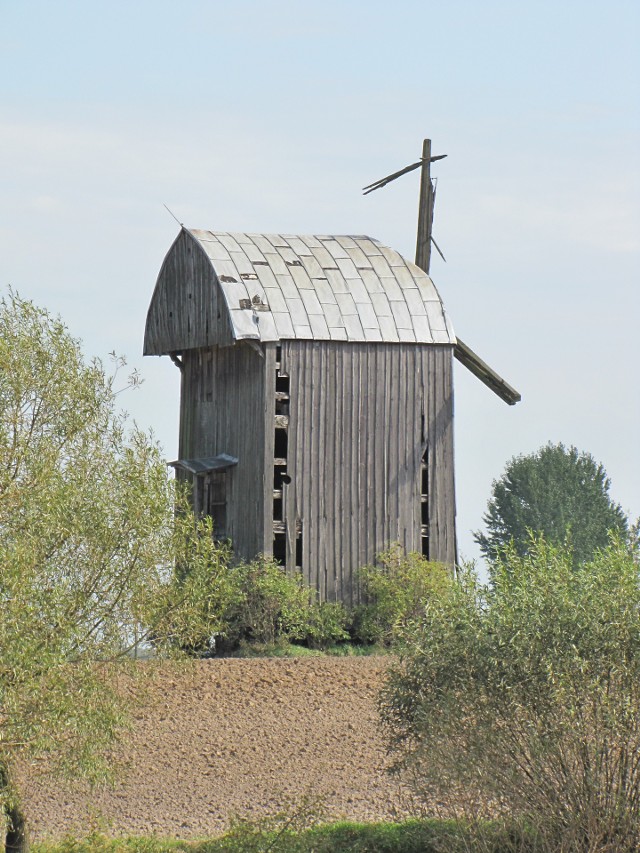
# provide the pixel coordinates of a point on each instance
(415, 303)
(303, 332)
(354, 328)
(288, 286)
(298, 246)
(381, 305)
(234, 292)
(358, 290)
(277, 264)
(388, 329)
(242, 263)
(421, 328)
(401, 315)
(372, 281)
(253, 252)
(333, 315)
(436, 316)
(301, 277)
(284, 325)
(228, 241)
(335, 249)
(346, 304)
(275, 299)
(243, 323)
(265, 246)
(392, 257)
(367, 315)
(337, 281)
(324, 291)
(380, 265)
(319, 326)
(359, 258)
(323, 257)
(404, 278)
(368, 246)
(392, 289)
(321, 287)
(372, 334)
(297, 311)
(311, 302)
(215, 250)
(267, 326)
(311, 265)
(310, 241)
(347, 268)
(346, 242)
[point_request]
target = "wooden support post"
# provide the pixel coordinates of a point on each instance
(425, 211)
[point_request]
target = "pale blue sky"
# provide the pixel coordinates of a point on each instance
(270, 116)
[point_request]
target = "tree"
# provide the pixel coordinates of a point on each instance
(558, 492)
(519, 702)
(88, 539)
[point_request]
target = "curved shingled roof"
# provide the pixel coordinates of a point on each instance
(323, 288)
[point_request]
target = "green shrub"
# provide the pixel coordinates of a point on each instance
(267, 603)
(326, 624)
(396, 590)
(521, 700)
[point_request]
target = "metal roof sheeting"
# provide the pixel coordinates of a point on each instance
(323, 288)
(206, 464)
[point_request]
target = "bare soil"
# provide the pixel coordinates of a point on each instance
(236, 737)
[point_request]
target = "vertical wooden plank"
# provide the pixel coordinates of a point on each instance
(268, 429)
(304, 472)
(289, 366)
(328, 453)
(318, 463)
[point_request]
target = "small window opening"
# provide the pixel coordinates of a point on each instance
(278, 354)
(282, 404)
(215, 502)
(282, 384)
(280, 443)
(424, 485)
(280, 476)
(425, 547)
(299, 550)
(277, 509)
(424, 504)
(280, 548)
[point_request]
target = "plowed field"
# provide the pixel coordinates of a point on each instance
(242, 737)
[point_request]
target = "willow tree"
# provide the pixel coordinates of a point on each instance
(89, 537)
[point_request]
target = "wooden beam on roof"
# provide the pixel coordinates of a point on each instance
(481, 369)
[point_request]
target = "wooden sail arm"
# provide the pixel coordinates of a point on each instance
(481, 369)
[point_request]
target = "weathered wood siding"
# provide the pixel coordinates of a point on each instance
(361, 417)
(187, 309)
(224, 409)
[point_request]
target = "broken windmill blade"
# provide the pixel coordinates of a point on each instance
(427, 202)
(462, 351)
(486, 374)
(376, 185)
